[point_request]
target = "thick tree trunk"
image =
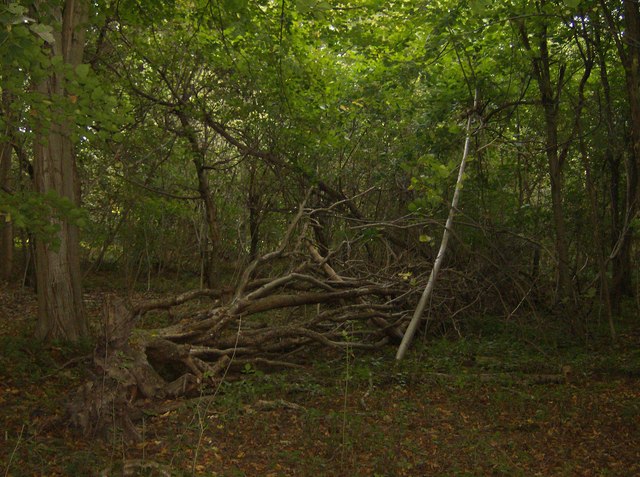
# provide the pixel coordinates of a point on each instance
(60, 307)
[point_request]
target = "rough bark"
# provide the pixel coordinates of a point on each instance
(61, 310)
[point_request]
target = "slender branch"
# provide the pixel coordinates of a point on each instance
(417, 316)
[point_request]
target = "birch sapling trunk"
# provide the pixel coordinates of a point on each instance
(417, 315)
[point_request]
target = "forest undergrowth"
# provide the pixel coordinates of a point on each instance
(483, 397)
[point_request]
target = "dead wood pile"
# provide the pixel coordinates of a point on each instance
(271, 321)
(285, 303)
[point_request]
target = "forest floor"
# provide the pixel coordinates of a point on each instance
(512, 399)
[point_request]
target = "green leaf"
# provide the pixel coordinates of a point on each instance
(304, 6)
(45, 32)
(57, 60)
(21, 20)
(16, 9)
(82, 70)
(478, 7)
(424, 238)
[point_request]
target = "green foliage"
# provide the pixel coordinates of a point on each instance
(20, 48)
(86, 101)
(41, 214)
(356, 95)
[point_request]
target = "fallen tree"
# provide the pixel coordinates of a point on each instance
(286, 302)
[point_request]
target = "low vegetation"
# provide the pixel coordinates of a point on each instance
(484, 397)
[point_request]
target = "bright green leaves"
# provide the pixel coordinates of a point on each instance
(14, 14)
(18, 12)
(424, 238)
(95, 108)
(85, 101)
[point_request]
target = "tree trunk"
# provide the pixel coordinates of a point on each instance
(417, 315)
(613, 158)
(60, 307)
(211, 217)
(557, 180)
(6, 226)
(622, 280)
(628, 46)
(550, 99)
(210, 209)
(631, 62)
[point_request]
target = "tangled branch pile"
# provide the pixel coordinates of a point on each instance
(286, 302)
